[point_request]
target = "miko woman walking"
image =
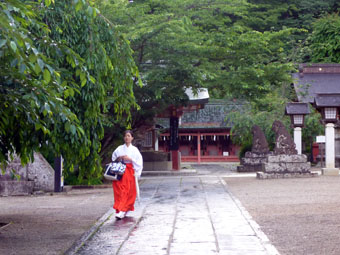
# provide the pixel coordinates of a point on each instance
(124, 190)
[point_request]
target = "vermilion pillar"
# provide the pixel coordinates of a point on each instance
(175, 160)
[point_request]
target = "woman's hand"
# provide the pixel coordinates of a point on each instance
(126, 157)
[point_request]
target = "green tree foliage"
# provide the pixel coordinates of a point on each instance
(63, 67)
(31, 92)
(160, 40)
(67, 70)
(324, 40)
(107, 80)
(238, 49)
(179, 44)
(274, 15)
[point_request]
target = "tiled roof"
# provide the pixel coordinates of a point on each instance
(213, 115)
(315, 79)
(297, 108)
(327, 100)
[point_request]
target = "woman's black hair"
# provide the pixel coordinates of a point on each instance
(128, 131)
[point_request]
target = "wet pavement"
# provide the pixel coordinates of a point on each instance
(180, 215)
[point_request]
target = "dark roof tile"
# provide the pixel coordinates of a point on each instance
(310, 84)
(327, 100)
(297, 108)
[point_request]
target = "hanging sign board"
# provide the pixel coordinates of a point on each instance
(321, 139)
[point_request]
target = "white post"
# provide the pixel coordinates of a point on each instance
(330, 151)
(156, 143)
(297, 139)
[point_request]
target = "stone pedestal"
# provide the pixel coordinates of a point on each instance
(330, 171)
(16, 188)
(252, 162)
(285, 166)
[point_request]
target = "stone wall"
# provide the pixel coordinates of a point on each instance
(14, 167)
(41, 172)
(35, 176)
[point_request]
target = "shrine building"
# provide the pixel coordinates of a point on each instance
(204, 135)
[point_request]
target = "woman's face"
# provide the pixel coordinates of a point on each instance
(128, 138)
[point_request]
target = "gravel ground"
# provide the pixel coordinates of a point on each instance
(50, 224)
(299, 216)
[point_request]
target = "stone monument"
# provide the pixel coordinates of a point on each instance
(252, 162)
(284, 143)
(34, 177)
(285, 162)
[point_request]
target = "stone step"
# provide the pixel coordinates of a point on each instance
(169, 173)
(263, 175)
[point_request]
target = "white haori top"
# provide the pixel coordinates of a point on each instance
(132, 152)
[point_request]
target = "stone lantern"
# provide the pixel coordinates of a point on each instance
(297, 112)
(328, 105)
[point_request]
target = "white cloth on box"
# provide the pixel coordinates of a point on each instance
(133, 153)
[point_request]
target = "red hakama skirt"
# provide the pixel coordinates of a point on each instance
(124, 191)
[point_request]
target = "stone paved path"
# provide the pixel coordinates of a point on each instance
(180, 215)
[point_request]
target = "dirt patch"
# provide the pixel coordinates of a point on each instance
(299, 216)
